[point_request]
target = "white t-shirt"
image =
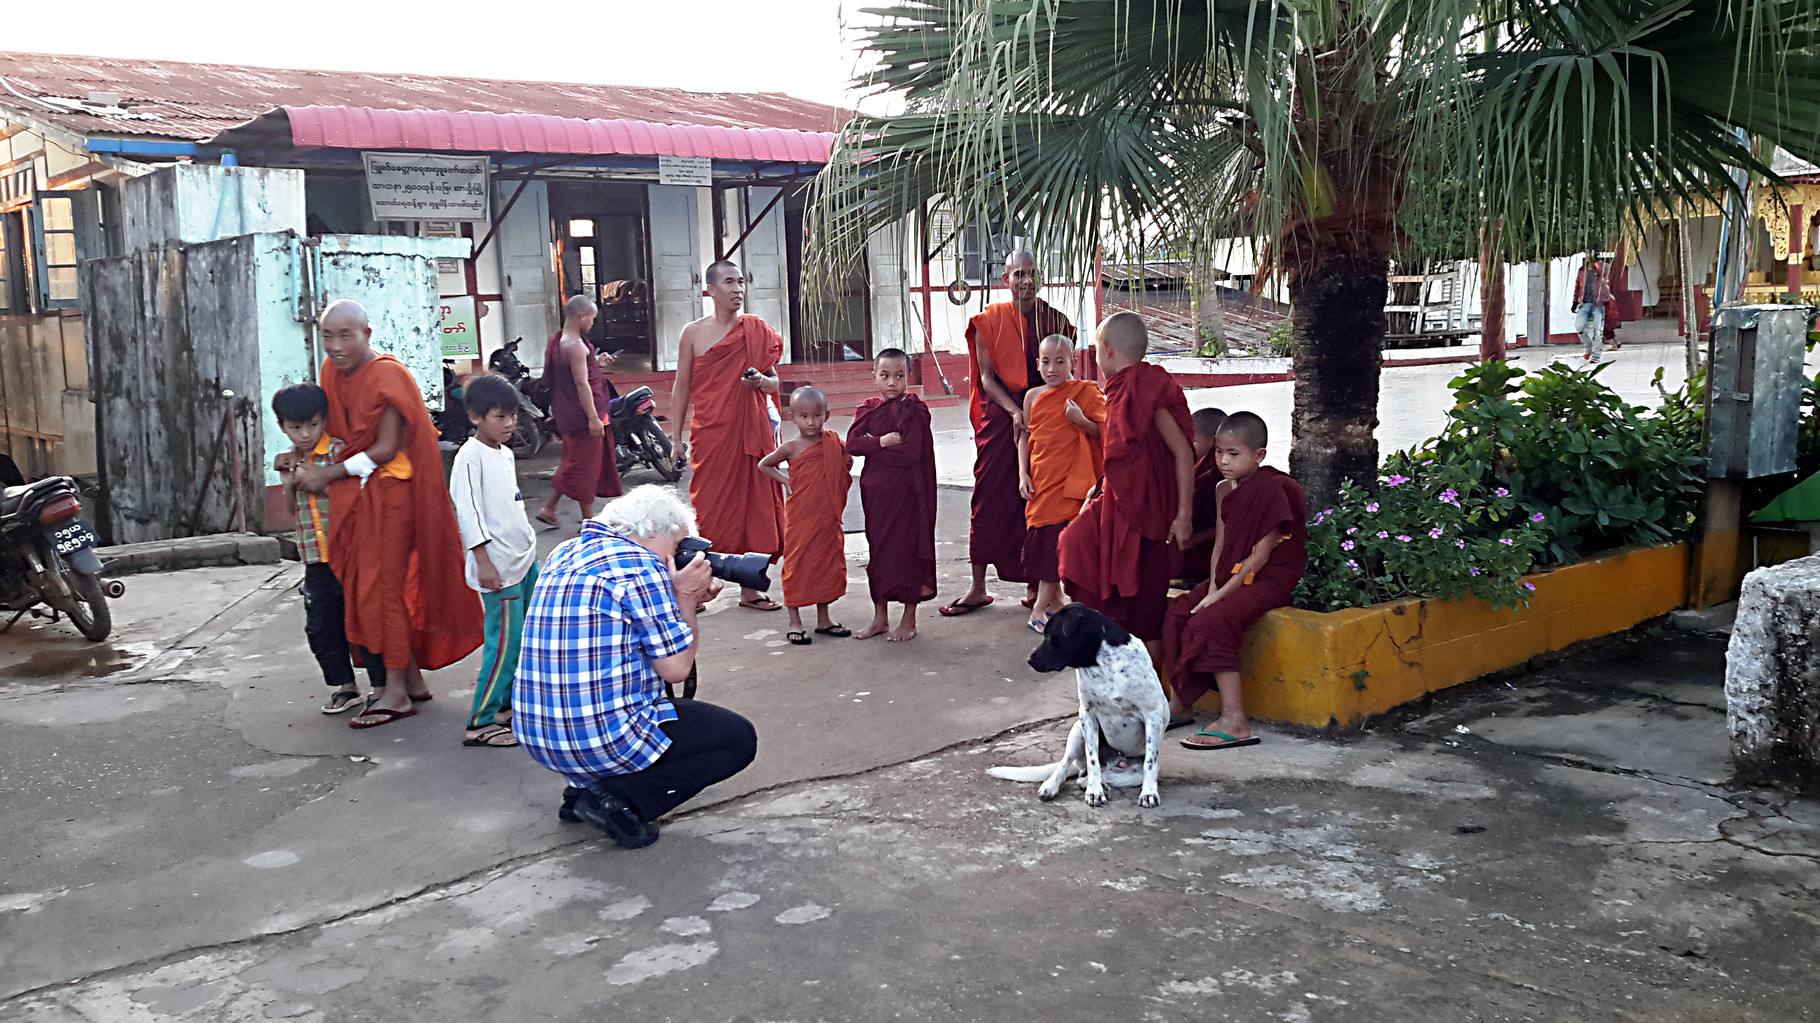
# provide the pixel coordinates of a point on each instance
(490, 509)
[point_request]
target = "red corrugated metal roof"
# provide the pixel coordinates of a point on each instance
(196, 102)
(478, 131)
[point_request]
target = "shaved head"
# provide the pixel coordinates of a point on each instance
(720, 268)
(346, 308)
(1060, 342)
(1124, 331)
(579, 305)
(1207, 422)
(1247, 428)
(1022, 257)
(808, 396)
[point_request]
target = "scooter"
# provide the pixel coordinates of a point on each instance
(47, 554)
(637, 439)
(534, 423)
(452, 425)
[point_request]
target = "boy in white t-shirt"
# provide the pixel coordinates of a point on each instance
(501, 546)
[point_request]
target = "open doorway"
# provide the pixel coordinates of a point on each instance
(603, 241)
(837, 329)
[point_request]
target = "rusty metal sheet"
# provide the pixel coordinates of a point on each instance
(196, 102)
(1757, 375)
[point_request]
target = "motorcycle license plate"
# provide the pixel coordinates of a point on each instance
(73, 537)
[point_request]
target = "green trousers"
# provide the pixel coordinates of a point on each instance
(505, 623)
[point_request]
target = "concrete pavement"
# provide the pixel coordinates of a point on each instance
(191, 840)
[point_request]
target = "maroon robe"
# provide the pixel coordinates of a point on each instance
(590, 465)
(1115, 556)
(1197, 646)
(997, 534)
(1206, 515)
(897, 491)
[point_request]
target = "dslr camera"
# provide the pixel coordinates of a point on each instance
(751, 571)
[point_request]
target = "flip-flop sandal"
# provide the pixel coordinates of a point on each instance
(956, 609)
(762, 604)
(492, 736)
(386, 716)
(341, 701)
(798, 637)
(1176, 722)
(837, 630)
(547, 524)
(1028, 602)
(1037, 627)
(425, 698)
(1230, 742)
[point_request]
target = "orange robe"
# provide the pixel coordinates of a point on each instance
(739, 508)
(394, 542)
(1011, 339)
(1115, 555)
(1065, 463)
(815, 551)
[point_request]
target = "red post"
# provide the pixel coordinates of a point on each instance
(1797, 247)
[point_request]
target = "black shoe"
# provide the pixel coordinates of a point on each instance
(567, 812)
(614, 818)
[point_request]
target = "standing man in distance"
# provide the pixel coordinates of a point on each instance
(393, 538)
(578, 404)
(726, 366)
(1002, 344)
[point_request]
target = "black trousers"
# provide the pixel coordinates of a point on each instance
(325, 625)
(707, 744)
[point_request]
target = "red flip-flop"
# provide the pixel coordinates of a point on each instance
(956, 609)
(389, 716)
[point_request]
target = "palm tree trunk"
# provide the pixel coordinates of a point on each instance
(1338, 321)
(1491, 298)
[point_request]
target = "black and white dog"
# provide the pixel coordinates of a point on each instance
(1122, 701)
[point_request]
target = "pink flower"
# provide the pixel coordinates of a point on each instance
(1373, 506)
(1448, 496)
(1396, 481)
(1351, 530)
(1405, 537)
(1474, 571)
(1383, 535)
(1348, 545)
(1460, 544)
(1353, 565)
(1531, 587)
(1537, 517)
(1435, 533)
(1501, 492)
(1507, 541)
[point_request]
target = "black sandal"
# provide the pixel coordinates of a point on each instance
(798, 637)
(837, 630)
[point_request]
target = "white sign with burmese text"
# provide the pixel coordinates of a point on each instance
(685, 170)
(413, 186)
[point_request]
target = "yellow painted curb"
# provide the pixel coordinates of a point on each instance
(1301, 666)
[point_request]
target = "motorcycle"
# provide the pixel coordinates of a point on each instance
(47, 554)
(452, 425)
(534, 423)
(637, 439)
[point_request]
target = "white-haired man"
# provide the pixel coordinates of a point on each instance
(612, 619)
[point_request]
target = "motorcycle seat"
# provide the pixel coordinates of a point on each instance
(15, 497)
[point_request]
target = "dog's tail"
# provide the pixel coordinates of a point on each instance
(1035, 773)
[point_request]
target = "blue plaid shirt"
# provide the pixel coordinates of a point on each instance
(587, 702)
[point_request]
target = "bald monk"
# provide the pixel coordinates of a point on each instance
(1002, 346)
(1120, 552)
(1195, 558)
(578, 404)
(820, 472)
(393, 538)
(1059, 461)
(725, 366)
(897, 491)
(1259, 554)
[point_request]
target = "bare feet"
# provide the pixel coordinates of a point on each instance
(415, 687)
(878, 626)
(906, 627)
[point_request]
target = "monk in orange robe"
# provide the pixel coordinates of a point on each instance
(393, 538)
(815, 551)
(726, 369)
(1059, 462)
(1002, 346)
(1119, 554)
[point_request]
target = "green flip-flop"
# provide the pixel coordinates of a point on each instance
(1226, 741)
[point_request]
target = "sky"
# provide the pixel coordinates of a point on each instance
(801, 47)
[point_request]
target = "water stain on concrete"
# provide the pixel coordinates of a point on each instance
(644, 964)
(808, 912)
(684, 926)
(175, 1001)
(626, 909)
(271, 768)
(732, 901)
(299, 975)
(81, 662)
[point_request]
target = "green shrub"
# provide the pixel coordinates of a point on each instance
(1531, 469)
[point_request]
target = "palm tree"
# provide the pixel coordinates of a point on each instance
(1321, 126)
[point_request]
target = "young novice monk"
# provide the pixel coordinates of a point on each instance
(897, 491)
(815, 553)
(501, 546)
(1259, 553)
(1195, 558)
(1058, 454)
(1120, 552)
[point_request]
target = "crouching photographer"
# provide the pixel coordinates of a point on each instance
(612, 620)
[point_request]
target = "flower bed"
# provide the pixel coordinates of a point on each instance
(1338, 668)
